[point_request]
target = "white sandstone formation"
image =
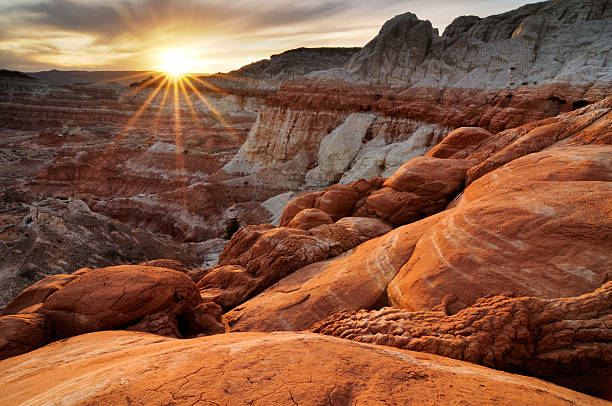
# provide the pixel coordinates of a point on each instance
(338, 149)
(554, 41)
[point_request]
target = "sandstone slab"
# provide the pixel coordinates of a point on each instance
(257, 369)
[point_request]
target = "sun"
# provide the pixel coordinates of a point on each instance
(177, 62)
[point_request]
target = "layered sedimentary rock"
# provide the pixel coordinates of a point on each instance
(140, 298)
(45, 237)
(258, 256)
(413, 85)
(280, 368)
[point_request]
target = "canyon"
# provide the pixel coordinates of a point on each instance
(423, 220)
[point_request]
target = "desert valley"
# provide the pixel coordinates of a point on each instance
(425, 220)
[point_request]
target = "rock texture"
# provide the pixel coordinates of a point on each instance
(259, 256)
(356, 280)
(555, 40)
(257, 369)
(293, 63)
(48, 236)
(538, 226)
(338, 149)
(21, 333)
(549, 338)
(141, 298)
(421, 187)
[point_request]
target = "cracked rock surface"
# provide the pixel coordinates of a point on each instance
(151, 299)
(304, 369)
(549, 338)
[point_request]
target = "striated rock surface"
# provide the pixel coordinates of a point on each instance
(356, 280)
(259, 256)
(538, 226)
(258, 369)
(549, 338)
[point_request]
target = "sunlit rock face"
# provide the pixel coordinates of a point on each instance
(280, 368)
(415, 85)
(443, 194)
(549, 41)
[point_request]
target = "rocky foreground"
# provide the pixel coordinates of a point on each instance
(449, 223)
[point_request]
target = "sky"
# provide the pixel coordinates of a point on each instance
(209, 35)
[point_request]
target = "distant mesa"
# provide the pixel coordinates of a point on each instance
(14, 74)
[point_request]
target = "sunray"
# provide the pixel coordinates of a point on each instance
(194, 114)
(210, 107)
(162, 104)
(178, 139)
(141, 86)
(134, 76)
(144, 106)
(208, 85)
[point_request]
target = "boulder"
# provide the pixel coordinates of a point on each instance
(107, 298)
(460, 143)
(421, 187)
(539, 226)
(356, 280)
(21, 333)
(135, 297)
(310, 218)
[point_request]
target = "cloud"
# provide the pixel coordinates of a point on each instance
(128, 34)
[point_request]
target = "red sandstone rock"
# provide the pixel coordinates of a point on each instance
(21, 333)
(227, 285)
(297, 205)
(588, 125)
(136, 297)
(548, 338)
(460, 143)
(30, 300)
(352, 281)
(256, 369)
(421, 187)
(539, 226)
(106, 298)
(337, 201)
(310, 218)
(168, 264)
(267, 254)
